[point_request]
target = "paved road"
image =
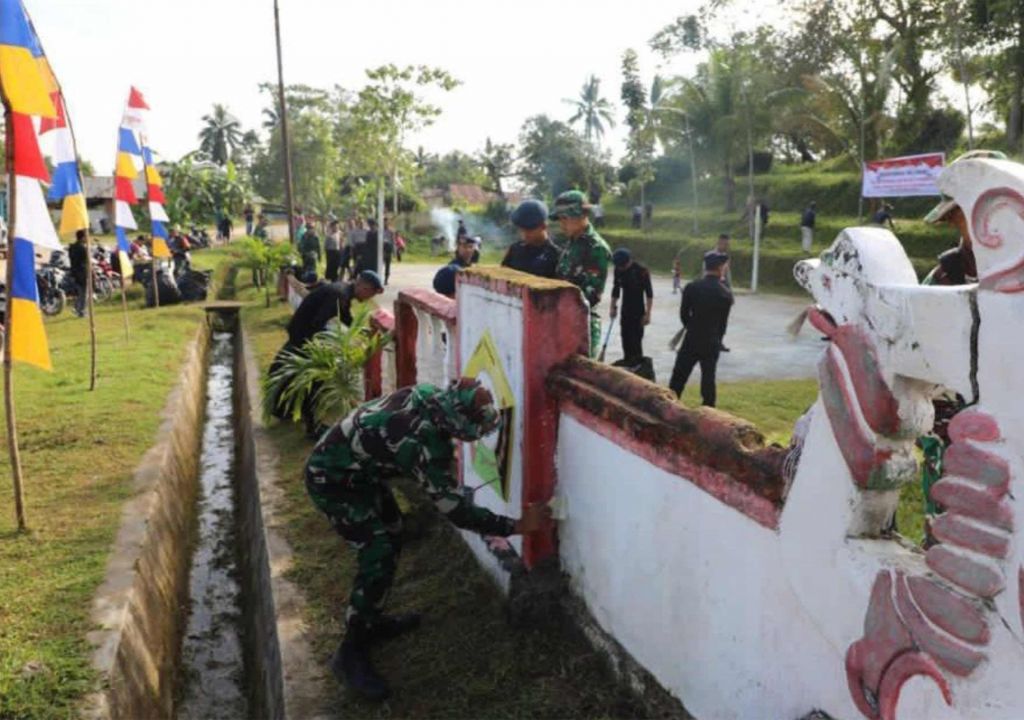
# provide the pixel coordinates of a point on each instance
(760, 347)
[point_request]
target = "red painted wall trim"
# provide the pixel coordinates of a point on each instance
(406, 327)
(719, 485)
(722, 455)
(381, 321)
(429, 302)
(556, 326)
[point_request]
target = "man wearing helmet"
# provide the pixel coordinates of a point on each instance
(408, 433)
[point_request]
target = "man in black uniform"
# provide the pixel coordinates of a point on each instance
(328, 301)
(633, 284)
(78, 254)
(366, 253)
(534, 253)
(323, 304)
(705, 314)
(467, 253)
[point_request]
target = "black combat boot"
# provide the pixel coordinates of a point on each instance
(388, 627)
(351, 664)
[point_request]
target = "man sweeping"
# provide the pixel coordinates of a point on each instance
(408, 433)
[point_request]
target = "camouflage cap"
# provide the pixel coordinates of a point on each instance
(940, 211)
(459, 412)
(572, 203)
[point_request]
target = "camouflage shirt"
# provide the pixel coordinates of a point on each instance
(584, 263)
(407, 433)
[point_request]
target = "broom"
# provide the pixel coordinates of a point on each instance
(604, 348)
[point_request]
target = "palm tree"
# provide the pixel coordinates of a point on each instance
(221, 136)
(594, 110)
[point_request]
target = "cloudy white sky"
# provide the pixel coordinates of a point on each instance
(515, 59)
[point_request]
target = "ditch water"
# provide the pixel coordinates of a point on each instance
(212, 673)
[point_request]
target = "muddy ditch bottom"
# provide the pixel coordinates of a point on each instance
(212, 675)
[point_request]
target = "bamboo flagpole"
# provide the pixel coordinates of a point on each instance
(9, 409)
(69, 186)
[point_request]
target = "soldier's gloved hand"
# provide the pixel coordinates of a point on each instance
(535, 517)
(614, 312)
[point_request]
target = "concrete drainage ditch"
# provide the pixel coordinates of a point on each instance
(195, 616)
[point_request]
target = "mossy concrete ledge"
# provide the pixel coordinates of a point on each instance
(141, 607)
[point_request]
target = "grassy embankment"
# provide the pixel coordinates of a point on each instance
(78, 452)
(787, 190)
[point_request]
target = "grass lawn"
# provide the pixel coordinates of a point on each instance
(78, 452)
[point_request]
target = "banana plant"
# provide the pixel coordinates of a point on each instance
(325, 374)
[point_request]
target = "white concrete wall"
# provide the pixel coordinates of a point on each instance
(434, 351)
(685, 583)
(483, 310)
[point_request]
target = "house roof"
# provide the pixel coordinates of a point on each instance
(101, 187)
(471, 194)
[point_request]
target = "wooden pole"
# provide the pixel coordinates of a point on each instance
(283, 119)
(89, 306)
(156, 288)
(124, 307)
(12, 428)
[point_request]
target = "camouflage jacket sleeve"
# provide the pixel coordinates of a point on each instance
(432, 468)
(587, 268)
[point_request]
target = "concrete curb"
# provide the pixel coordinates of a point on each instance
(139, 606)
(308, 691)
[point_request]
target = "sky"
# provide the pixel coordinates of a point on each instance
(514, 59)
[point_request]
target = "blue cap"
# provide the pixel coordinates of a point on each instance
(369, 276)
(714, 259)
(444, 280)
(530, 214)
(621, 257)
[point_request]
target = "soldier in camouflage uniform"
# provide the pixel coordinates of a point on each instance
(407, 433)
(584, 261)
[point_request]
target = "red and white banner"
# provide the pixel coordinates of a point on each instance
(910, 176)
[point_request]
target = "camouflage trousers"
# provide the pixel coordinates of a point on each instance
(367, 516)
(595, 333)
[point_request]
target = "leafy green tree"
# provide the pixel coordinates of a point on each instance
(221, 135)
(592, 110)
(554, 158)
(265, 258)
(315, 119)
(198, 194)
(385, 113)
(497, 160)
(1001, 27)
(456, 167)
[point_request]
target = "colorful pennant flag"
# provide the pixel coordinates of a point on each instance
(127, 167)
(134, 153)
(24, 72)
(67, 178)
(30, 89)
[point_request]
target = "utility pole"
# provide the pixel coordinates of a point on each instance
(953, 16)
(283, 119)
(693, 171)
(860, 194)
(380, 225)
(751, 203)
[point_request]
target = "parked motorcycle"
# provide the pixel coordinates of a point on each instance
(52, 298)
